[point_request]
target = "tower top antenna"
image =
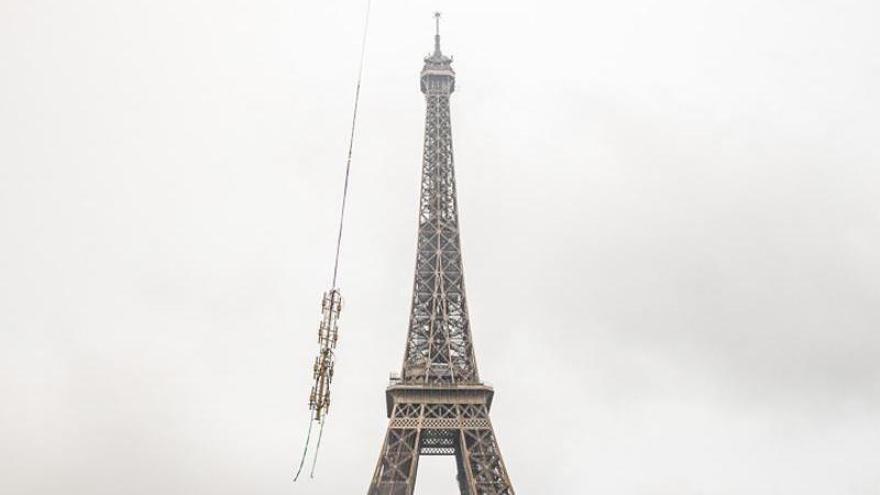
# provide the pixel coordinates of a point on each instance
(437, 33)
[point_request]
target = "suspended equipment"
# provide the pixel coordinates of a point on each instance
(331, 304)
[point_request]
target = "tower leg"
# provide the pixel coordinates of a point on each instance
(483, 466)
(461, 471)
(396, 470)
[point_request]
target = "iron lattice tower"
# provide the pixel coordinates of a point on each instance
(438, 406)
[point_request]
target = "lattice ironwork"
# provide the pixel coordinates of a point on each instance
(439, 347)
(438, 406)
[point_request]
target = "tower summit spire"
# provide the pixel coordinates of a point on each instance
(437, 74)
(437, 34)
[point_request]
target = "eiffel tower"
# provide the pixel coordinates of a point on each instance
(438, 405)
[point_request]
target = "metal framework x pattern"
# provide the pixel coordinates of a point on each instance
(438, 406)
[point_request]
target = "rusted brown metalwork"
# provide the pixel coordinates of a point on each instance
(438, 406)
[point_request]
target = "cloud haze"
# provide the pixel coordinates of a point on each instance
(670, 214)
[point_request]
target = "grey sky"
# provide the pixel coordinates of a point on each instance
(670, 214)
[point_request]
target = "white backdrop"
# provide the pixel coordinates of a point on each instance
(670, 214)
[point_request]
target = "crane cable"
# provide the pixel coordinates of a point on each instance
(320, 412)
(357, 97)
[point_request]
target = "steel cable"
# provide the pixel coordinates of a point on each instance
(357, 97)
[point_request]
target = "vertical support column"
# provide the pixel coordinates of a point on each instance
(396, 471)
(465, 475)
(484, 464)
(399, 458)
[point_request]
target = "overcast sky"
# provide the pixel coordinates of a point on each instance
(670, 222)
